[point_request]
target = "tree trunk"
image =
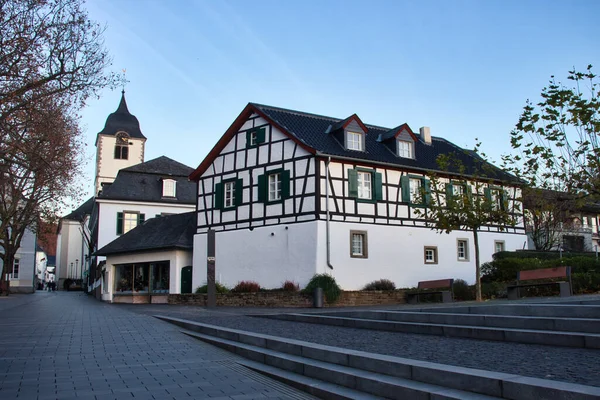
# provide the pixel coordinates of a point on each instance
(6, 270)
(477, 267)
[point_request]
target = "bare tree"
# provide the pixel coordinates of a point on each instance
(52, 58)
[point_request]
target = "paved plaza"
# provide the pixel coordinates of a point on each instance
(69, 346)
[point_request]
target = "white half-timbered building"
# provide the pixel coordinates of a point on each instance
(291, 194)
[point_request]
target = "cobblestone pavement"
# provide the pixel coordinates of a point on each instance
(548, 362)
(69, 346)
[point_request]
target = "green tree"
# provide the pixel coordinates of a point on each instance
(469, 198)
(52, 58)
(555, 142)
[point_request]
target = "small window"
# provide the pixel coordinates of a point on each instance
(253, 138)
(498, 246)
(229, 191)
(275, 187)
(169, 187)
(256, 136)
(431, 255)
(15, 269)
(128, 220)
(358, 244)
(364, 185)
(497, 198)
(354, 141)
(415, 190)
(462, 250)
(122, 146)
(405, 149)
(458, 190)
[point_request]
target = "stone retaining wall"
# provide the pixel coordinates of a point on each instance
(290, 299)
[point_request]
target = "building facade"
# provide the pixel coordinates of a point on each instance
(292, 194)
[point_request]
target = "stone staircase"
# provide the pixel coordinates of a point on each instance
(338, 373)
(549, 324)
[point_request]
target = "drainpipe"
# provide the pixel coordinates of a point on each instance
(327, 228)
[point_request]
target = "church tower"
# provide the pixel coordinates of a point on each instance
(119, 145)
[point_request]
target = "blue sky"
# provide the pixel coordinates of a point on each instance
(463, 68)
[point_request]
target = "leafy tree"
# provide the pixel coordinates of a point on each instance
(557, 141)
(52, 58)
(462, 198)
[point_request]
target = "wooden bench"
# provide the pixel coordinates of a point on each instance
(544, 273)
(424, 286)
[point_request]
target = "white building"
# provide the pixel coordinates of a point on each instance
(22, 273)
(291, 194)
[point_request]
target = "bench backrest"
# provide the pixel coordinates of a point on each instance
(544, 273)
(440, 283)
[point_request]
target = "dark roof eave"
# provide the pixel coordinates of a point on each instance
(193, 203)
(141, 250)
(398, 166)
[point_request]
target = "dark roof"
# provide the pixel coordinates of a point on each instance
(143, 182)
(311, 129)
(122, 120)
(159, 233)
(79, 213)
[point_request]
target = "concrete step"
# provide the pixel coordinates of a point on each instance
(552, 338)
(523, 309)
(343, 382)
(587, 325)
(471, 381)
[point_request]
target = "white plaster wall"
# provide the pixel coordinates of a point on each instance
(267, 255)
(26, 256)
(107, 220)
(397, 253)
(106, 165)
(177, 260)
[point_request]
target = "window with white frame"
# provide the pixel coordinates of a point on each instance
(252, 138)
(462, 250)
(458, 190)
(497, 199)
(130, 221)
(365, 188)
(169, 187)
(229, 194)
(415, 190)
(15, 269)
(275, 187)
(405, 149)
(358, 244)
(498, 246)
(431, 255)
(354, 141)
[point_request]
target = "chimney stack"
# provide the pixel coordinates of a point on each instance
(425, 134)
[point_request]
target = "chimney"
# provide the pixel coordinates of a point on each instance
(425, 134)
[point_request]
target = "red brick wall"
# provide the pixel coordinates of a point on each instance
(290, 299)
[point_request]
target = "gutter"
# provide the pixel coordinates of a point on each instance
(327, 228)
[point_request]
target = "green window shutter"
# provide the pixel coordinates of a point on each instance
(219, 196)
(488, 194)
(469, 191)
(427, 190)
(260, 135)
(262, 188)
(248, 134)
(352, 183)
(405, 186)
(239, 191)
(285, 184)
(378, 186)
(141, 218)
(449, 191)
(504, 198)
(119, 223)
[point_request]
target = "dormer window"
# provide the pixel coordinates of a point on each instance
(405, 149)
(354, 141)
(122, 146)
(169, 187)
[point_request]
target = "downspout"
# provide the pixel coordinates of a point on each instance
(327, 228)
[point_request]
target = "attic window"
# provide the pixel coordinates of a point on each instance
(169, 187)
(405, 149)
(354, 141)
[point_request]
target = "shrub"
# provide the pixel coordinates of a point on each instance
(327, 283)
(588, 282)
(219, 288)
(290, 286)
(246, 287)
(463, 291)
(493, 290)
(382, 284)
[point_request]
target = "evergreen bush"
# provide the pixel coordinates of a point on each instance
(219, 288)
(327, 282)
(382, 284)
(463, 291)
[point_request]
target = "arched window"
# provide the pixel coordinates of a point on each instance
(122, 146)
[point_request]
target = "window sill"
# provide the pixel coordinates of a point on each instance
(357, 256)
(359, 200)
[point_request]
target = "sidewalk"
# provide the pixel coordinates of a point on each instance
(68, 346)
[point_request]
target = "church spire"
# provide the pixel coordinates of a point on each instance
(123, 104)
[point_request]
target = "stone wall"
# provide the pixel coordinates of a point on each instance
(291, 299)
